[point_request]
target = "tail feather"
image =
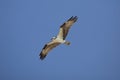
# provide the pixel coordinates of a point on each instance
(67, 43)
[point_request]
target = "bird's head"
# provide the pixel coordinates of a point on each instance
(53, 38)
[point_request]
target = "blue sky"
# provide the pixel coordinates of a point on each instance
(26, 25)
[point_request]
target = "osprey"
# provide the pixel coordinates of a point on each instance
(60, 38)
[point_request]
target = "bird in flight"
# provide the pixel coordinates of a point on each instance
(60, 38)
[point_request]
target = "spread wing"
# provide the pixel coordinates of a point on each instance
(47, 48)
(64, 28)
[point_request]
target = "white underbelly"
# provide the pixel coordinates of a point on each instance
(59, 40)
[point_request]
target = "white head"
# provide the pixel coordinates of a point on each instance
(53, 38)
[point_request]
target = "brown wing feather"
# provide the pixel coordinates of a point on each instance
(47, 48)
(64, 28)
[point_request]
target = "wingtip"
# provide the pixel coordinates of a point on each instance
(42, 56)
(73, 18)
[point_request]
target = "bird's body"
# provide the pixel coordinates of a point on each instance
(59, 39)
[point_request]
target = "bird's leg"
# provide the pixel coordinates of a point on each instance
(67, 42)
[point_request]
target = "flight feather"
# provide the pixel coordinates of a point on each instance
(64, 29)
